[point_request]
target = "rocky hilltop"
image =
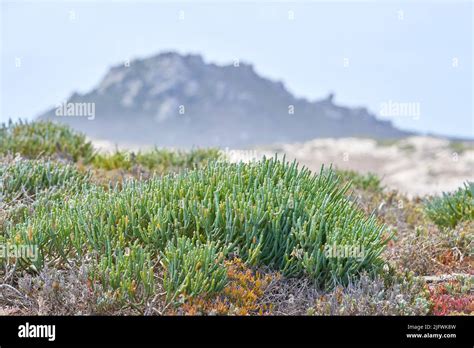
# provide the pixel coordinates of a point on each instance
(181, 101)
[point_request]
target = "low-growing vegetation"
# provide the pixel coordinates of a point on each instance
(22, 179)
(451, 208)
(186, 232)
(192, 270)
(44, 139)
(51, 140)
(453, 297)
(267, 212)
(158, 160)
(460, 147)
(368, 181)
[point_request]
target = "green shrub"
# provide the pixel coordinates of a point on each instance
(368, 181)
(267, 212)
(26, 178)
(47, 139)
(193, 269)
(128, 273)
(36, 139)
(451, 208)
(407, 147)
(117, 160)
(387, 142)
(460, 147)
(159, 160)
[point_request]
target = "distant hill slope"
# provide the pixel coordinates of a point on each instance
(181, 101)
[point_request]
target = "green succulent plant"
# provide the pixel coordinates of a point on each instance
(369, 181)
(27, 178)
(44, 139)
(159, 160)
(193, 268)
(448, 210)
(268, 213)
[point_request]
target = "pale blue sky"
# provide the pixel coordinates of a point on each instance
(408, 59)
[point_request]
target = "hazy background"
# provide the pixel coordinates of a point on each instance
(399, 51)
